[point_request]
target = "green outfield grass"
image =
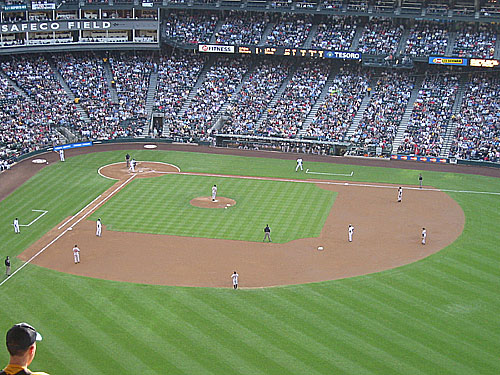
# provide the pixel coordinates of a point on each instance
(436, 316)
(161, 205)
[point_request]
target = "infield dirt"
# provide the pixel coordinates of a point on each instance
(387, 235)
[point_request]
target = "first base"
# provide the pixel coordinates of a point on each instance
(70, 228)
(320, 248)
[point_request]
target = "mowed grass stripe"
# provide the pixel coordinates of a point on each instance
(233, 336)
(292, 210)
(310, 327)
(370, 336)
(425, 354)
(280, 356)
(426, 317)
(153, 332)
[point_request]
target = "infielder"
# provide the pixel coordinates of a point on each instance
(267, 233)
(351, 232)
(214, 192)
(424, 235)
(299, 165)
(16, 225)
(400, 194)
(76, 254)
(420, 179)
(234, 276)
(98, 231)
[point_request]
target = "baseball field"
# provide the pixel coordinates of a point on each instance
(154, 296)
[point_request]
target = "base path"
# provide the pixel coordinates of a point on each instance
(387, 235)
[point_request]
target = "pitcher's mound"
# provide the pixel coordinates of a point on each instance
(206, 202)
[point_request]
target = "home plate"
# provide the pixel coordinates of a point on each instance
(320, 248)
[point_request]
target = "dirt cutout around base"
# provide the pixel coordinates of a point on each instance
(386, 235)
(206, 202)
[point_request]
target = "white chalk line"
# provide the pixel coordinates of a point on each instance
(141, 161)
(331, 183)
(66, 230)
(331, 174)
(34, 220)
(78, 213)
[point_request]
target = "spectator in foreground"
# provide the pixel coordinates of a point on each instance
(21, 344)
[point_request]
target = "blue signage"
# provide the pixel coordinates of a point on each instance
(72, 145)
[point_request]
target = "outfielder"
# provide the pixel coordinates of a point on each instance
(424, 235)
(7, 266)
(61, 154)
(299, 165)
(400, 194)
(16, 225)
(234, 276)
(76, 254)
(351, 232)
(214, 192)
(98, 231)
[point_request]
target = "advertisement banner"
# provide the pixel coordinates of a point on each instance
(429, 159)
(15, 8)
(447, 61)
(215, 48)
(41, 6)
(73, 145)
(299, 52)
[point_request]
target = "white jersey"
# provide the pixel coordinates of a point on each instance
(351, 230)
(214, 190)
(299, 161)
(234, 276)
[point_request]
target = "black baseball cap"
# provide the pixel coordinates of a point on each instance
(22, 336)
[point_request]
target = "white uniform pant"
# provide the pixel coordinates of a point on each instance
(299, 166)
(16, 228)
(350, 236)
(98, 231)
(77, 257)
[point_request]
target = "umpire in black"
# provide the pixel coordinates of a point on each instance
(267, 233)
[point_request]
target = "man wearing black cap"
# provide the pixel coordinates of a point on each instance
(21, 344)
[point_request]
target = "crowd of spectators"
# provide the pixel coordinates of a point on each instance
(177, 76)
(477, 135)
(131, 75)
(430, 116)
(380, 121)
(427, 38)
(242, 29)
(476, 41)
(255, 95)
(336, 113)
(85, 76)
(219, 84)
(190, 28)
(290, 30)
(287, 116)
(380, 36)
(336, 33)
(34, 75)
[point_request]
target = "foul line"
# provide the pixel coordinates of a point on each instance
(67, 229)
(332, 174)
(39, 216)
(330, 183)
(78, 213)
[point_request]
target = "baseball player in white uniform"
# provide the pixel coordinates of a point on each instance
(400, 194)
(61, 154)
(76, 254)
(98, 231)
(234, 276)
(16, 225)
(424, 235)
(299, 165)
(351, 232)
(214, 192)
(132, 165)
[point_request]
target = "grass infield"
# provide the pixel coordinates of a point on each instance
(435, 316)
